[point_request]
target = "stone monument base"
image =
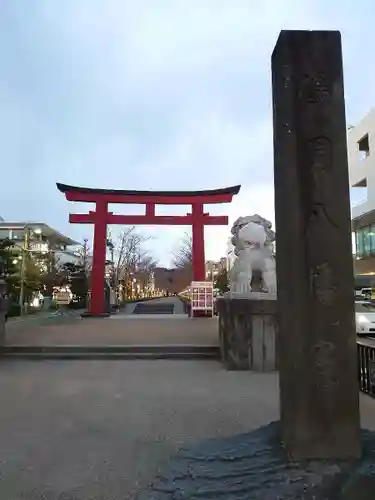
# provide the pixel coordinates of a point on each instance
(247, 331)
(255, 466)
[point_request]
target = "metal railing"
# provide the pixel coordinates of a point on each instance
(366, 367)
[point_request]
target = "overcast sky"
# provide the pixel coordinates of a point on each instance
(153, 94)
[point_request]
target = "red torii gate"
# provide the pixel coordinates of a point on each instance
(101, 218)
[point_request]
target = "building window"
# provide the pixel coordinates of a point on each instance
(18, 234)
(359, 243)
(364, 147)
(366, 241)
(4, 234)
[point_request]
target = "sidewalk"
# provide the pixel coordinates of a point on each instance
(41, 316)
(124, 328)
(29, 317)
(118, 330)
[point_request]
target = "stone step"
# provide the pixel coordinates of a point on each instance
(154, 309)
(111, 352)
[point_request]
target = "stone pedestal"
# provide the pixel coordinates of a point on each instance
(247, 331)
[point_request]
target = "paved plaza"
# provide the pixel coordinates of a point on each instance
(124, 328)
(102, 429)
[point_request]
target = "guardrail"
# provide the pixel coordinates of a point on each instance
(366, 367)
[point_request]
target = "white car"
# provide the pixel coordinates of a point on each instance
(364, 317)
(363, 293)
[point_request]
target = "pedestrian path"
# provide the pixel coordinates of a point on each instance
(122, 329)
(44, 316)
(154, 308)
(164, 317)
(148, 330)
(170, 305)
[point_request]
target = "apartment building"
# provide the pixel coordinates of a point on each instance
(37, 237)
(214, 268)
(361, 155)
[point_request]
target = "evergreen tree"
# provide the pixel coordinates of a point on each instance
(76, 278)
(8, 269)
(222, 281)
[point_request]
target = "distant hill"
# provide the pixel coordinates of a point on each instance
(174, 280)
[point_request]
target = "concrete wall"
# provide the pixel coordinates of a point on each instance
(362, 167)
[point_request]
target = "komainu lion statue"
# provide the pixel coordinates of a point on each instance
(252, 240)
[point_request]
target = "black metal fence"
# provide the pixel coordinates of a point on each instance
(366, 367)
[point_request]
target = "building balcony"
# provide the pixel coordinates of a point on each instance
(360, 208)
(39, 247)
(359, 170)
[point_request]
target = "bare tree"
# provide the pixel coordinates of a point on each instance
(128, 254)
(145, 268)
(83, 253)
(183, 257)
(51, 271)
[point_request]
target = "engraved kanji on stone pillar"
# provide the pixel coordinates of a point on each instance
(319, 394)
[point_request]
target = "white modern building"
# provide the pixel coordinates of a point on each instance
(37, 237)
(361, 155)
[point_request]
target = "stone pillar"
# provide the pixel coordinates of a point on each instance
(318, 361)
